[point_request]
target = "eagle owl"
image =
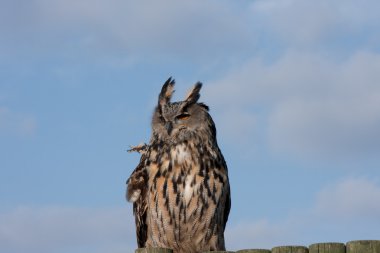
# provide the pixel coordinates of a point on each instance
(180, 189)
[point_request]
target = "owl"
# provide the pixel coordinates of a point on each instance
(180, 188)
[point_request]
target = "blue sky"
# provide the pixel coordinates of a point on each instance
(293, 86)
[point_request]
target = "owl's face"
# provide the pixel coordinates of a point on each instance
(182, 120)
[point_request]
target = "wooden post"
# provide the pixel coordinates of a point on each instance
(253, 251)
(218, 252)
(369, 246)
(153, 250)
(290, 249)
(327, 248)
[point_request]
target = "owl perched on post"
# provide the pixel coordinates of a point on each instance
(180, 189)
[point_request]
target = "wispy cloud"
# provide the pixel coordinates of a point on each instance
(350, 199)
(192, 30)
(317, 24)
(343, 211)
(66, 229)
(314, 105)
(198, 30)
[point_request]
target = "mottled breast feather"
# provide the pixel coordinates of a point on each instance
(180, 188)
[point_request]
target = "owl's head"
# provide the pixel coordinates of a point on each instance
(182, 120)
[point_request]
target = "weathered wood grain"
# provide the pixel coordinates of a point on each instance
(332, 247)
(153, 250)
(290, 249)
(253, 251)
(368, 246)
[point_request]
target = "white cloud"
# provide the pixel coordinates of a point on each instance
(313, 105)
(198, 31)
(348, 200)
(66, 229)
(240, 124)
(190, 30)
(308, 23)
(254, 235)
(16, 123)
(341, 117)
(344, 211)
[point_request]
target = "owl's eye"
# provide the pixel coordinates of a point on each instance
(183, 116)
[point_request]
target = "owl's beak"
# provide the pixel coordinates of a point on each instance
(169, 127)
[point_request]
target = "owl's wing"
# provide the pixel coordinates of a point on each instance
(139, 210)
(136, 193)
(227, 207)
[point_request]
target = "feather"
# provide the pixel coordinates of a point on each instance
(180, 188)
(136, 193)
(166, 92)
(193, 95)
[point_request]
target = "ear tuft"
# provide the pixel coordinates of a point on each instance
(193, 96)
(166, 92)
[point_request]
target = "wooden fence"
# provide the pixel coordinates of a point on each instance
(368, 246)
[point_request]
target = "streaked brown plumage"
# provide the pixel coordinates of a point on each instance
(180, 189)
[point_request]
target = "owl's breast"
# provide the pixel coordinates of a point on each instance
(185, 187)
(181, 154)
